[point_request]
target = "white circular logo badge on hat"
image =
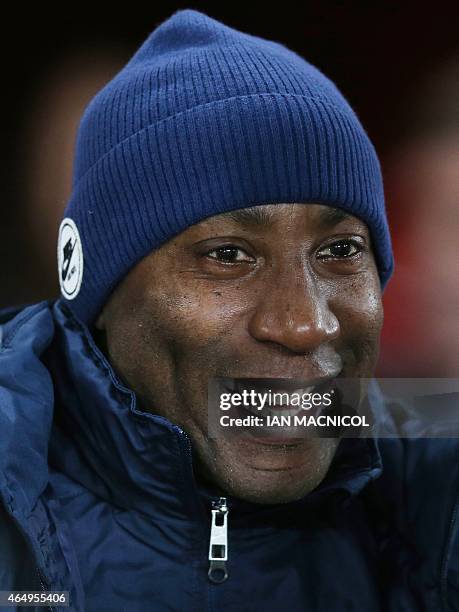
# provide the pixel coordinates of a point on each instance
(69, 258)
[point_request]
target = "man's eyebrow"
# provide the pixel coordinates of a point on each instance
(259, 216)
(332, 216)
(251, 216)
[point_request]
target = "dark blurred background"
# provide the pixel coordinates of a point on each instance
(396, 62)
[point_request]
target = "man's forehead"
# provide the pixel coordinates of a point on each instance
(265, 215)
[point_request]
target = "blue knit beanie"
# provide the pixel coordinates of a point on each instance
(205, 119)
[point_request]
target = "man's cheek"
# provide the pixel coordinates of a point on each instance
(360, 317)
(365, 342)
(359, 308)
(193, 319)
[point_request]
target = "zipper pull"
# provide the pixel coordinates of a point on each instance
(218, 547)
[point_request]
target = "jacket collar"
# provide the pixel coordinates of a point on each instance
(142, 461)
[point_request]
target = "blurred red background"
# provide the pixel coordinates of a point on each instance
(398, 65)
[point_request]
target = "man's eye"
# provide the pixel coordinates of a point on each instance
(229, 254)
(339, 250)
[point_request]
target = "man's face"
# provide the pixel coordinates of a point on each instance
(275, 291)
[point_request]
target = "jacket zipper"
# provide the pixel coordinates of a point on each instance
(218, 545)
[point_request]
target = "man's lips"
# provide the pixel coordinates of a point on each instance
(278, 383)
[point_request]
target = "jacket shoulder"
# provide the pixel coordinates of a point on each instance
(26, 407)
(419, 482)
(13, 317)
(18, 571)
(414, 505)
(10, 312)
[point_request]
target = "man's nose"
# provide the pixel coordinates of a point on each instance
(295, 314)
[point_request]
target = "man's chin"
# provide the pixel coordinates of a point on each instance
(270, 493)
(271, 473)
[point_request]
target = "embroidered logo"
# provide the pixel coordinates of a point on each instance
(69, 259)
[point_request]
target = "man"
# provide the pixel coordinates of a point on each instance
(227, 221)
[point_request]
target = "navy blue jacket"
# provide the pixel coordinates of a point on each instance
(99, 499)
